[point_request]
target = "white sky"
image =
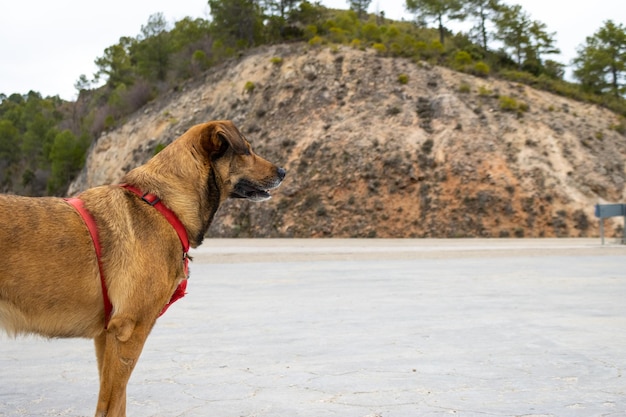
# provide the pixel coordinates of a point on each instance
(46, 45)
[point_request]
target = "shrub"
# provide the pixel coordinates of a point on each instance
(380, 48)
(169, 117)
(407, 46)
(316, 41)
(199, 61)
(396, 49)
(356, 44)
(480, 69)
(420, 47)
(522, 106)
(249, 87)
(508, 103)
(109, 121)
(620, 127)
(484, 91)
(403, 79)
(337, 35)
(158, 148)
(464, 88)
(276, 60)
(310, 32)
(97, 120)
(391, 32)
(462, 59)
(371, 32)
(137, 95)
(434, 50)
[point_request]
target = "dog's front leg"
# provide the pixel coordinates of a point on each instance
(118, 349)
(100, 342)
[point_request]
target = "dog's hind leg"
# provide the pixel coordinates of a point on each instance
(118, 350)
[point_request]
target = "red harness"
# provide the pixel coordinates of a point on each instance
(169, 215)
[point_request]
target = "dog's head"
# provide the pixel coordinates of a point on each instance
(240, 172)
(208, 164)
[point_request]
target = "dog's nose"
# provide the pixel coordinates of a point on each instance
(281, 173)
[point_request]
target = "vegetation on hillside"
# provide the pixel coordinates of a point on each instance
(43, 141)
(40, 152)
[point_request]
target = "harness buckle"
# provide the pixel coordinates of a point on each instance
(152, 203)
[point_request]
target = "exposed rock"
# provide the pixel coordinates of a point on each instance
(370, 157)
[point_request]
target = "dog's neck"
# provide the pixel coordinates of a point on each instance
(213, 202)
(196, 212)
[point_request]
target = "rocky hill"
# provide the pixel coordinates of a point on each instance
(371, 153)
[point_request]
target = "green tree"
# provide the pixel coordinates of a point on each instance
(527, 39)
(191, 45)
(282, 8)
(40, 117)
(82, 84)
(482, 11)
(28, 125)
(67, 157)
(554, 69)
(513, 26)
(601, 62)
(541, 43)
(153, 48)
(116, 64)
(437, 10)
(360, 7)
(237, 23)
(279, 19)
(9, 142)
(308, 13)
(187, 32)
(12, 109)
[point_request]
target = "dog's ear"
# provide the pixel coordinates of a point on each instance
(219, 136)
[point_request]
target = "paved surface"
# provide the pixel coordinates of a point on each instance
(356, 328)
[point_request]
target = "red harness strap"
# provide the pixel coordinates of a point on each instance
(93, 231)
(169, 215)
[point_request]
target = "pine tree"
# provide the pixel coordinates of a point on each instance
(360, 7)
(482, 11)
(281, 7)
(116, 63)
(601, 61)
(153, 49)
(237, 23)
(528, 39)
(436, 10)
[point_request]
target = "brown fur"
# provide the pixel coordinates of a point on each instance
(49, 277)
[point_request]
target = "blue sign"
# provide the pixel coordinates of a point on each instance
(610, 210)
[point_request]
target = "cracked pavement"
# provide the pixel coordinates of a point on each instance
(363, 328)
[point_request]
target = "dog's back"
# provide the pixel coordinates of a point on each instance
(43, 247)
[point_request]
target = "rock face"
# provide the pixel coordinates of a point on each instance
(369, 156)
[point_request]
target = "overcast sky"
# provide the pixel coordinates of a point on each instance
(46, 45)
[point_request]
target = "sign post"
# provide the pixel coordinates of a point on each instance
(611, 210)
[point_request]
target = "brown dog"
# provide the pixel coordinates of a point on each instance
(57, 291)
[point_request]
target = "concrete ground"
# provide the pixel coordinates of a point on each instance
(363, 328)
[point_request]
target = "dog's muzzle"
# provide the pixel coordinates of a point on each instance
(258, 192)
